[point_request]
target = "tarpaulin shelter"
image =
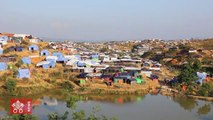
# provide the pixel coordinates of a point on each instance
(46, 64)
(3, 66)
(45, 52)
(3, 40)
(23, 73)
(201, 76)
(1, 51)
(60, 57)
(78, 57)
(51, 58)
(80, 64)
(33, 48)
(58, 54)
(26, 60)
(95, 57)
(18, 48)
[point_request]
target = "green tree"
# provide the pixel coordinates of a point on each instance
(188, 74)
(197, 65)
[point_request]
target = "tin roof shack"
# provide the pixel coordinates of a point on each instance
(147, 72)
(3, 66)
(44, 52)
(46, 64)
(23, 73)
(26, 60)
(114, 69)
(34, 40)
(14, 48)
(16, 39)
(7, 58)
(122, 77)
(33, 48)
(9, 35)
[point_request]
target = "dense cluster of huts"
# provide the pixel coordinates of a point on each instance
(87, 64)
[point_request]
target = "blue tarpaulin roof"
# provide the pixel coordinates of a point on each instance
(45, 66)
(81, 64)
(26, 60)
(3, 66)
(1, 51)
(94, 56)
(78, 57)
(45, 52)
(58, 54)
(23, 73)
(4, 38)
(201, 76)
(33, 47)
(52, 64)
(61, 59)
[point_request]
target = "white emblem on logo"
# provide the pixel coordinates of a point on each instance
(18, 107)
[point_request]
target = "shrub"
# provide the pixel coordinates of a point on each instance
(55, 74)
(19, 63)
(10, 85)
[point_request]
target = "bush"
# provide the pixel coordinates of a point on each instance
(66, 85)
(10, 85)
(206, 90)
(55, 74)
(19, 63)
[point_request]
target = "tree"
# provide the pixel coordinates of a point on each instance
(188, 74)
(197, 65)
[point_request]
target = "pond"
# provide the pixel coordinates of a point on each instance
(134, 107)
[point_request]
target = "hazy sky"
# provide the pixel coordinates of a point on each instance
(91, 20)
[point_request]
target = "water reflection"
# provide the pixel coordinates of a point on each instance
(60, 101)
(204, 110)
(186, 103)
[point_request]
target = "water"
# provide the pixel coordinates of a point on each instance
(135, 107)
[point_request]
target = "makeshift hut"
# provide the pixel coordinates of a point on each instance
(23, 73)
(33, 48)
(51, 58)
(78, 57)
(46, 64)
(45, 52)
(26, 60)
(7, 58)
(81, 64)
(3, 66)
(3, 40)
(19, 48)
(58, 54)
(60, 57)
(95, 57)
(201, 76)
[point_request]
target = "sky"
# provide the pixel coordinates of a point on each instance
(106, 20)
